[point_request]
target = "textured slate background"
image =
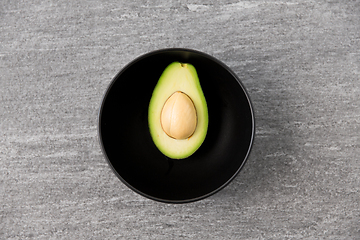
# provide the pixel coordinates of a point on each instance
(299, 60)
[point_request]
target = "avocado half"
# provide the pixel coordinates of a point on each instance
(178, 77)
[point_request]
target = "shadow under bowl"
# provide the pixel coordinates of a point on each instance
(128, 147)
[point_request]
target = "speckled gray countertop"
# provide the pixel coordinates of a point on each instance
(299, 60)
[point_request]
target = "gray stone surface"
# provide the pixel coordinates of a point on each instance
(300, 61)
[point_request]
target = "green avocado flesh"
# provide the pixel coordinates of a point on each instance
(178, 77)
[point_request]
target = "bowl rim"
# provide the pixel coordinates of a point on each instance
(159, 51)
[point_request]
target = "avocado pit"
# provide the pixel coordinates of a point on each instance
(178, 116)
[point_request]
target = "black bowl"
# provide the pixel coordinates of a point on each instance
(126, 142)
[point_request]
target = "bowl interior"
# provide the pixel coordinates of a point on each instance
(130, 151)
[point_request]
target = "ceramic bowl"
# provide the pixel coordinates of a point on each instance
(132, 155)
